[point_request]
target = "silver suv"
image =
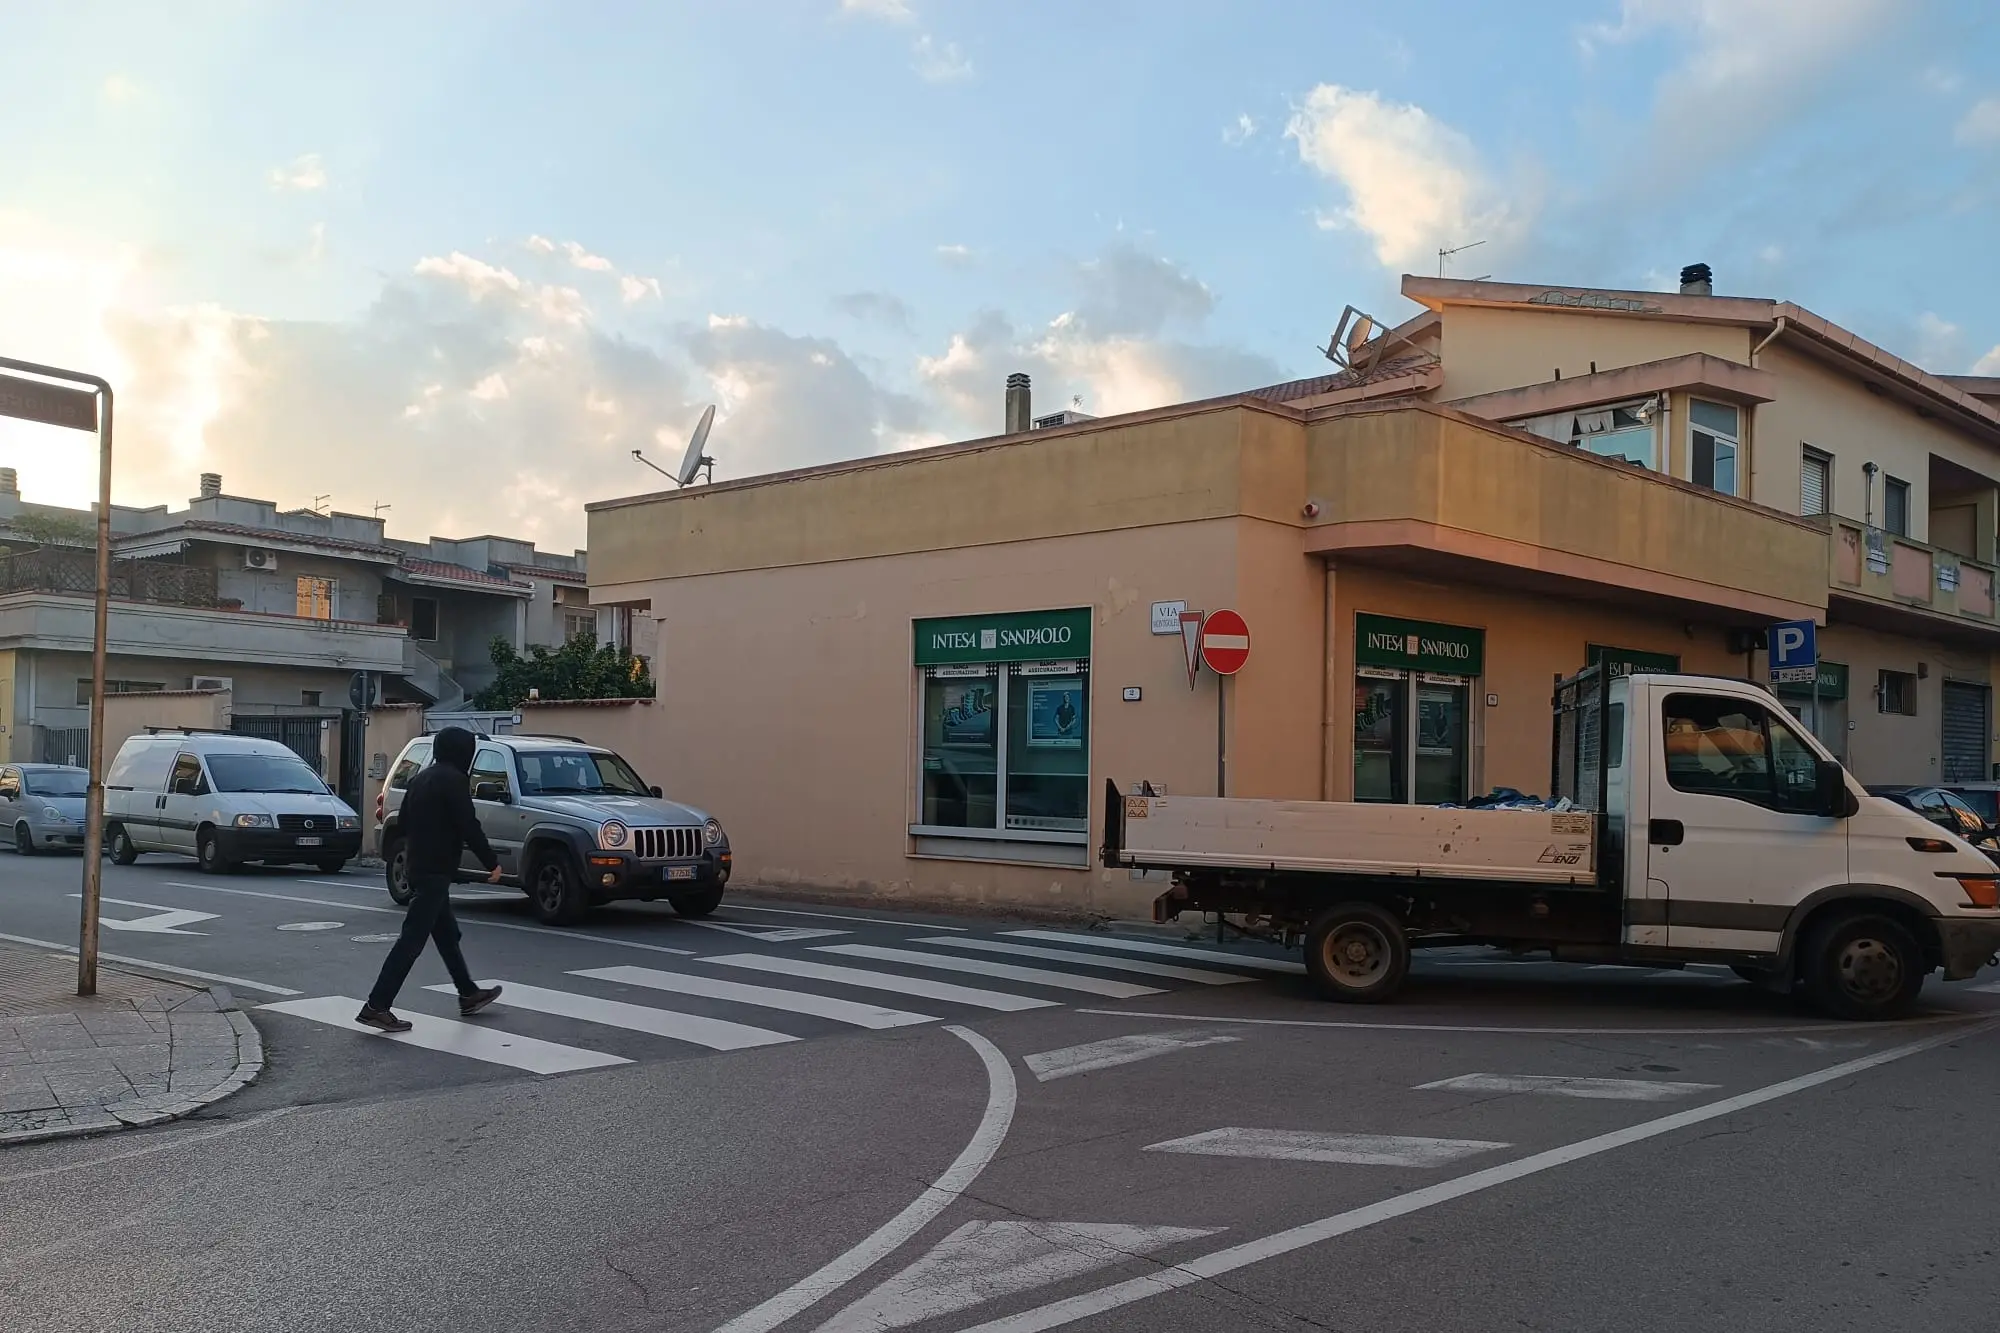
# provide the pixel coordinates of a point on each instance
(573, 826)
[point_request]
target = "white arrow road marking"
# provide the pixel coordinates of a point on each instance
(773, 934)
(1553, 1085)
(986, 1261)
(1046, 1065)
(166, 921)
(1304, 1145)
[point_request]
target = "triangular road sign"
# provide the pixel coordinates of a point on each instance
(1191, 622)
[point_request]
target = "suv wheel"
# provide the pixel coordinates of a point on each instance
(396, 869)
(698, 903)
(554, 887)
(123, 853)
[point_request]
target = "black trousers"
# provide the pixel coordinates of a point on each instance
(429, 917)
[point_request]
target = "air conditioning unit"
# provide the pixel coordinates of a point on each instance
(213, 683)
(254, 559)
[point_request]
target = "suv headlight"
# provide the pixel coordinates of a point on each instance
(255, 821)
(347, 821)
(711, 833)
(612, 835)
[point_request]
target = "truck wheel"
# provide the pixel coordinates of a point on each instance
(1357, 952)
(699, 903)
(123, 853)
(1864, 966)
(208, 853)
(555, 889)
(396, 869)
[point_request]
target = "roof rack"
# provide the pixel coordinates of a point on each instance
(193, 731)
(548, 736)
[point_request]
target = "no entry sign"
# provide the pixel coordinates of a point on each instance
(1225, 643)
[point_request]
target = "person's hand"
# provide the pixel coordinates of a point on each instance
(494, 878)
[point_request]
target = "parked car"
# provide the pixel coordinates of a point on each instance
(223, 799)
(41, 806)
(1948, 811)
(573, 826)
(1983, 797)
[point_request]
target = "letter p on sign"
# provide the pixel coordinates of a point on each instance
(1794, 651)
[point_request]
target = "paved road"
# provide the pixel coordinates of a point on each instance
(795, 1118)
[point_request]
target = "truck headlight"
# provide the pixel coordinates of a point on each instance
(612, 835)
(255, 821)
(711, 833)
(347, 821)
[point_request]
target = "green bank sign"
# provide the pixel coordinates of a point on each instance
(1016, 636)
(1418, 645)
(1832, 683)
(1625, 661)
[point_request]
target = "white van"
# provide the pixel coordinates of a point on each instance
(223, 799)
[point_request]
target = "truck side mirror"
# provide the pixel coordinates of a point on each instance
(1830, 785)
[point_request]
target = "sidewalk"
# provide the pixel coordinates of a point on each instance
(139, 1052)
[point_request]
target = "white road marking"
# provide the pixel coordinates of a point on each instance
(891, 1235)
(1219, 1262)
(889, 981)
(312, 925)
(1104, 961)
(164, 921)
(1358, 1026)
(735, 906)
(1046, 1065)
(373, 939)
(460, 893)
(1163, 950)
(987, 1261)
(770, 997)
(479, 921)
(1032, 976)
(771, 934)
(715, 1033)
(1553, 1085)
(1304, 1145)
(492, 1045)
(241, 983)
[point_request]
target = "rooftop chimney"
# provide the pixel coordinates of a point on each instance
(10, 481)
(1019, 416)
(1697, 280)
(211, 485)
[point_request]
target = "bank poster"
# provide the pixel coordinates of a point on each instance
(1055, 715)
(968, 712)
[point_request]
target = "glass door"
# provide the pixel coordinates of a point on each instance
(1381, 730)
(1441, 742)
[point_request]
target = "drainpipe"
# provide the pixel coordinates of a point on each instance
(1769, 338)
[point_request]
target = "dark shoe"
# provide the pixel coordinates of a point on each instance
(479, 999)
(382, 1019)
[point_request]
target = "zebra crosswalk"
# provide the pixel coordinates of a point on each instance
(694, 1004)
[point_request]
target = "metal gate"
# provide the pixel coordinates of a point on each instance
(66, 745)
(1966, 709)
(301, 735)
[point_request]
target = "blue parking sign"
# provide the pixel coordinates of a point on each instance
(1794, 649)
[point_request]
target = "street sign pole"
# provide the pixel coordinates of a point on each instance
(52, 405)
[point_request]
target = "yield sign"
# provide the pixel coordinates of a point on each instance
(164, 921)
(1225, 643)
(1191, 642)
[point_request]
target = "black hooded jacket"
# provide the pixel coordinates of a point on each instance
(437, 819)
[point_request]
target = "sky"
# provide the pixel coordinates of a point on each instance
(462, 257)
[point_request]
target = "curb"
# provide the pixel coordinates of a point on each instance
(143, 1112)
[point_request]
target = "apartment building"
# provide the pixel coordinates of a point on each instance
(912, 674)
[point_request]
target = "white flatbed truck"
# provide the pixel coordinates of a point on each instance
(1703, 825)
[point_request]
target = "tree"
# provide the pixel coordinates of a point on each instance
(580, 669)
(45, 528)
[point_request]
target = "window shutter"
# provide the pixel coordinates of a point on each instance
(1812, 485)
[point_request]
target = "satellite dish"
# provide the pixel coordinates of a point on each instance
(693, 461)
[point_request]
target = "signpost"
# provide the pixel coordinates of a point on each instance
(85, 409)
(1794, 654)
(1225, 646)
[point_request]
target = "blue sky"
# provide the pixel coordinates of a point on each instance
(463, 257)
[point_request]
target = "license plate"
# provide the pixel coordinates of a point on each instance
(312, 842)
(680, 872)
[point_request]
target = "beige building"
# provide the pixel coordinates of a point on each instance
(911, 675)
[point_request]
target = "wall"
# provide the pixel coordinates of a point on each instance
(14, 739)
(388, 730)
(276, 592)
(126, 715)
(1489, 348)
(610, 724)
(1896, 747)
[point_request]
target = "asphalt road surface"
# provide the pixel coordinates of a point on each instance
(796, 1118)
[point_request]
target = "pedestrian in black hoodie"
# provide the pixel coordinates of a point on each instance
(437, 823)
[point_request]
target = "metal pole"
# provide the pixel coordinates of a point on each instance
(1221, 740)
(93, 837)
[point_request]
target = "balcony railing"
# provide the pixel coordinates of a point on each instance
(75, 572)
(1900, 571)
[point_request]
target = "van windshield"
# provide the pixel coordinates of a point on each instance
(56, 784)
(264, 773)
(580, 773)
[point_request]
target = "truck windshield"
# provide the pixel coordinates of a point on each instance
(578, 773)
(264, 773)
(56, 784)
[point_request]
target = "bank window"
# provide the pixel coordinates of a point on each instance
(1006, 746)
(1717, 746)
(1896, 506)
(1713, 445)
(1412, 736)
(315, 598)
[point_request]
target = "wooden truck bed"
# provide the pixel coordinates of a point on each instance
(1327, 837)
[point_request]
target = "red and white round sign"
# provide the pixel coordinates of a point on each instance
(1225, 642)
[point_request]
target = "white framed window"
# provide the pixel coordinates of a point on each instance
(1617, 431)
(315, 598)
(1714, 446)
(579, 622)
(1896, 506)
(1815, 481)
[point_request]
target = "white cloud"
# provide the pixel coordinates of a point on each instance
(583, 259)
(892, 11)
(956, 256)
(1981, 123)
(541, 245)
(305, 173)
(1413, 183)
(1988, 364)
(1239, 130)
(1939, 343)
(632, 288)
(939, 62)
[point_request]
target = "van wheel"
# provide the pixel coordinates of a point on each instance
(208, 853)
(123, 853)
(396, 869)
(555, 889)
(1864, 966)
(700, 903)
(1357, 952)
(24, 841)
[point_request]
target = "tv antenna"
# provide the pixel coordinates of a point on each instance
(1353, 345)
(319, 502)
(379, 509)
(694, 460)
(1444, 254)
